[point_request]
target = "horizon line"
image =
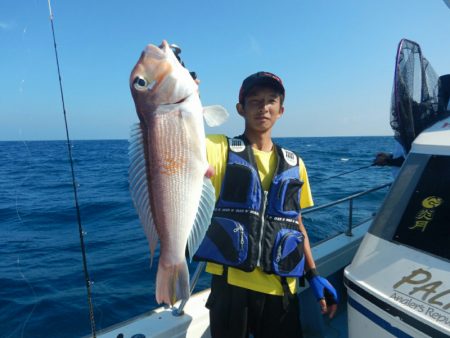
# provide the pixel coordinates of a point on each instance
(126, 139)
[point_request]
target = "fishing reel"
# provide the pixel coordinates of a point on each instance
(177, 51)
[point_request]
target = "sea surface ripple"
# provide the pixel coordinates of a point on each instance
(42, 284)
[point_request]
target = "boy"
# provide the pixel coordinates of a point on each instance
(257, 234)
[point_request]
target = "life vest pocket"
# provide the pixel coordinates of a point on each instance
(289, 195)
(288, 256)
(225, 242)
(239, 188)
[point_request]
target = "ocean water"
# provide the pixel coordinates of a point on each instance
(42, 286)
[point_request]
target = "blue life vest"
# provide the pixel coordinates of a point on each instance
(251, 227)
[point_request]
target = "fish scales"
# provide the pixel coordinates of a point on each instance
(176, 180)
(174, 200)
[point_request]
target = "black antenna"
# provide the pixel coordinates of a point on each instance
(69, 148)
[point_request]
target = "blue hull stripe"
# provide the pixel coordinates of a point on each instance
(419, 325)
(377, 320)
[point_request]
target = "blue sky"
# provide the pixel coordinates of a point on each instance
(336, 59)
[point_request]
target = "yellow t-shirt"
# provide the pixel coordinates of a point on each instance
(257, 280)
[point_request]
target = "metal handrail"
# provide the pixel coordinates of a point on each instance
(200, 267)
(350, 210)
(309, 210)
(198, 271)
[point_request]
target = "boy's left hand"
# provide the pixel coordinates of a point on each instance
(325, 293)
(210, 172)
(329, 309)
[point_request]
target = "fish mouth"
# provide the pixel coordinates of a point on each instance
(182, 100)
(179, 101)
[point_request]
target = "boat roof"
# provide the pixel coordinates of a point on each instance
(434, 140)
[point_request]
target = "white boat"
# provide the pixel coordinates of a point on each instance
(398, 282)
(395, 288)
(331, 256)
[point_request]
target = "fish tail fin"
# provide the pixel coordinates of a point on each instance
(172, 283)
(183, 288)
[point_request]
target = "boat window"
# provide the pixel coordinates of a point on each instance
(425, 222)
(416, 211)
(390, 213)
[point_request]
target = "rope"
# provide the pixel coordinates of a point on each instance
(69, 148)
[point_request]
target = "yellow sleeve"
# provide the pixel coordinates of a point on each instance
(306, 199)
(216, 154)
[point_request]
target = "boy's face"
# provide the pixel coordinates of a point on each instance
(262, 108)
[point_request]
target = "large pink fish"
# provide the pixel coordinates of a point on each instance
(169, 189)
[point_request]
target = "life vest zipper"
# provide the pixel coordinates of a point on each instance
(280, 247)
(263, 213)
(282, 244)
(239, 228)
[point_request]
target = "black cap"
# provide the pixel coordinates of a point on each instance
(258, 79)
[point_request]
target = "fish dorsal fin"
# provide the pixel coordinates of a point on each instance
(203, 217)
(215, 115)
(137, 176)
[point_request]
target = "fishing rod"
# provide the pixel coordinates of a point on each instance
(346, 172)
(77, 207)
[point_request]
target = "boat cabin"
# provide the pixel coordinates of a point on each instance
(399, 281)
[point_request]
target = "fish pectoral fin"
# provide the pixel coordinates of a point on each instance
(203, 217)
(215, 115)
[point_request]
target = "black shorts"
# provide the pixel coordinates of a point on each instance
(236, 312)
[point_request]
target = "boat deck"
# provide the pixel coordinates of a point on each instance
(334, 328)
(332, 257)
(154, 323)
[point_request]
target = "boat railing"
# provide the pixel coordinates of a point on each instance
(201, 265)
(350, 200)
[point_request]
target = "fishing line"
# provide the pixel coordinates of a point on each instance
(34, 295)
(22, 328)
(80, 227)
(20, 184)
(28, 283)
(345, 173)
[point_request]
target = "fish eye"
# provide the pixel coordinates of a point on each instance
(139, 83)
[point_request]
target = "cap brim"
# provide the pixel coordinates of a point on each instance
(263, 81)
